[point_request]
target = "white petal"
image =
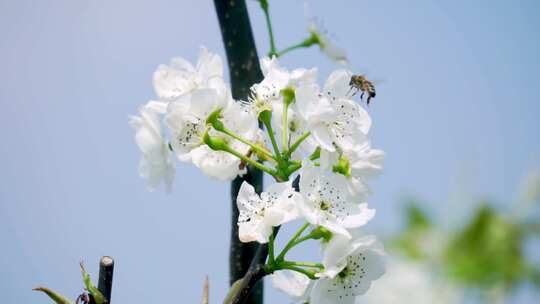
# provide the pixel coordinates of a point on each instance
(170, 82)
(369, 163)
(292, 283)
(209, 64)
(203, 102)
(337, 83)
(323, 137)
(181, 64)
(359, 216)
(306, 97)
(159, 107)
(335, 253)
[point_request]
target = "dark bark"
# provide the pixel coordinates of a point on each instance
(244, 71)
(241, 255)
(249, 282)
(256, 269)
(106, 268)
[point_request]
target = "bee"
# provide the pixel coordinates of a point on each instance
(361, 83)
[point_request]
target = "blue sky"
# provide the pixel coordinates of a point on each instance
(456, 112)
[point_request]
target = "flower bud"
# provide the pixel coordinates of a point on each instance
(321, 233)
(215, 143)
(288, 95)
(343, 166)
(214, 120)
(266, 116)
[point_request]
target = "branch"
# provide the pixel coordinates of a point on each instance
(244, 72)
(243, 286)
(106, 268)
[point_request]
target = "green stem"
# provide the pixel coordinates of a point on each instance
(316, 154)
(217, 144)
(290, 48)
(297, 143)
(249, 161)
(303, 264)
(285, 127)
(313, 39)
(291, 242)
(302, 239)
(271, 246)
(266, 117)
(255, 147)
(309, 273)
(264, 6)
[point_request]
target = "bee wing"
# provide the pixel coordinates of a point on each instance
(378, 81)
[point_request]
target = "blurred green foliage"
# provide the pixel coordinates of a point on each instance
(486, 251)
(417, 225)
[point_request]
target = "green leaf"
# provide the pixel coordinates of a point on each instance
(487, 252)
(91, 288)
(56, 297)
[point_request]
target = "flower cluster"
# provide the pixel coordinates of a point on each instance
(318, 135)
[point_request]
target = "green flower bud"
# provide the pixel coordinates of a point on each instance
(266, 116)
(343, 166)
(314, 38)
(215, 143)
(214, 120)
(288, 95)
(321, 233)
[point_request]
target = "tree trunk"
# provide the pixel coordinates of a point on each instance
(244, 71)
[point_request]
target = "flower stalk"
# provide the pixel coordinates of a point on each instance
(265, 8)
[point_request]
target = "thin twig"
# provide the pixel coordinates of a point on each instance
(206, 289)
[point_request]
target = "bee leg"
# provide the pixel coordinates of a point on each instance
(349, 91)
(362, 95)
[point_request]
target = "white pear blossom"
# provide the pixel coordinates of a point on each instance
(181, 77)
(186, 118)
(222, 165)
(327, 203)
(276, 78)
(335, 120)
(294, 284)
(350, 268)
(258, 214)
(358, 166)
(338, 91)
(327, 46)
(157, 164)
